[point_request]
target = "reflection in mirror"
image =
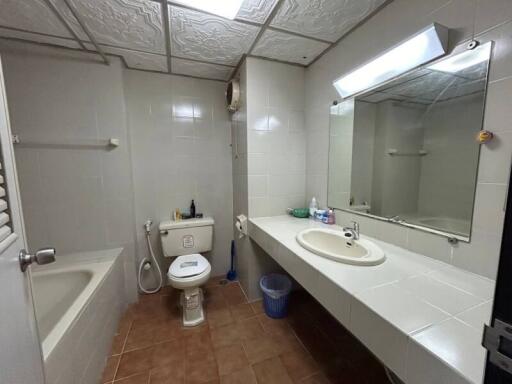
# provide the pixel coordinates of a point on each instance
(407, 150)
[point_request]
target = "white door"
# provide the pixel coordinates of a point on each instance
(20, 351)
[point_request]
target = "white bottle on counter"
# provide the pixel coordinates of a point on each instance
(313, 206)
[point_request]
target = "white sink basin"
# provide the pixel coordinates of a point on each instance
(332, 244)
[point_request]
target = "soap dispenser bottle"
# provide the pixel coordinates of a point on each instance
(192, 210)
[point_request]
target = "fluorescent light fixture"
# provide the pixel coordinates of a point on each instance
(466, 59)
(423, 47)
(224, 8)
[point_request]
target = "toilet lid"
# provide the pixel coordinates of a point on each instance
(188, 265)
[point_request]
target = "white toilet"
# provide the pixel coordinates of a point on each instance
(186, 239)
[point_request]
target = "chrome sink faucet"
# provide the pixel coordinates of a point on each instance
(354, 230)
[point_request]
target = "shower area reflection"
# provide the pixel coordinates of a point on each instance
(407, 151)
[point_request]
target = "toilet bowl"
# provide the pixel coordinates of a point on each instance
(188, 273)
(186, 240)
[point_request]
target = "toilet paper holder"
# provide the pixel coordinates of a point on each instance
(241, 225)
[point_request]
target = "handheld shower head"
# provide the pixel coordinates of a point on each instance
(147, 226)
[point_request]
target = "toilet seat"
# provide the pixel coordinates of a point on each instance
(184, 275)
(188, 266)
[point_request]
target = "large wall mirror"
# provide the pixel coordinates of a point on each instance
(407, 152)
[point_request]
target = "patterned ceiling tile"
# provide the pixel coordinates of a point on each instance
(194, 68)
(37, 38)
(135, 24)
(210, 38)
(324, 19)
(256, 11)
(136, 59)
(33, 16)
(285, 47)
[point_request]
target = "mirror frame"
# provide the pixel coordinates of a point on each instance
(452, 238)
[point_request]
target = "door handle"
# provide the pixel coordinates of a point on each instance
(42, 256)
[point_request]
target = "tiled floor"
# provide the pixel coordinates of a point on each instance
(238, 344)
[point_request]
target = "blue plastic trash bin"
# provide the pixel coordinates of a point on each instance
(276, 293)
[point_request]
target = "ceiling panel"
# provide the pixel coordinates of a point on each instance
(37, 38)
(135, 24)
(256, 11)
(33, 16)
(194, 68)
(286, 47)
(136, 59)
(209, 38)
(324, 19)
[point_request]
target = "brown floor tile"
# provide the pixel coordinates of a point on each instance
(118, 344)
(141, 378)
(308, 347)
(214, 293)
(244, 376)
(198, 342)
(225, 336)
(287, 342)
(274, 326)
(317, 378)
(299, 364)
(169, 330)
(200, 372)
(260, 349)
(170, 374)
(219, 317)
(250, 329)
(168, 353)
(149, 312)
(110, 369)
(271, 371)
(257, 306)
(141, 337)
(138, 361)
(125, 322)
(231, 359)
(153, 333)
(242, 311)
(233, 294)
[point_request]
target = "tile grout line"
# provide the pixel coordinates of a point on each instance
(122, 349)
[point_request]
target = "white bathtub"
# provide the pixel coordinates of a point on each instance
(78, 301)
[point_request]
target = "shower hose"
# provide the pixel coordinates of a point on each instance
(147, 264)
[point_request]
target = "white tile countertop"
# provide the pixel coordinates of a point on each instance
(423, 318)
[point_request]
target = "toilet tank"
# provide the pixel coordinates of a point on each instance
(186, 236)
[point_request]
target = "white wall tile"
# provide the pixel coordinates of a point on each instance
(275, 139)
(88, 193)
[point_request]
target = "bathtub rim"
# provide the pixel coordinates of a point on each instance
(100, 264)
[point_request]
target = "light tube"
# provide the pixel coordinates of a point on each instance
(423, 47)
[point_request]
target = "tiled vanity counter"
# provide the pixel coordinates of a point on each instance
(421, 317)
